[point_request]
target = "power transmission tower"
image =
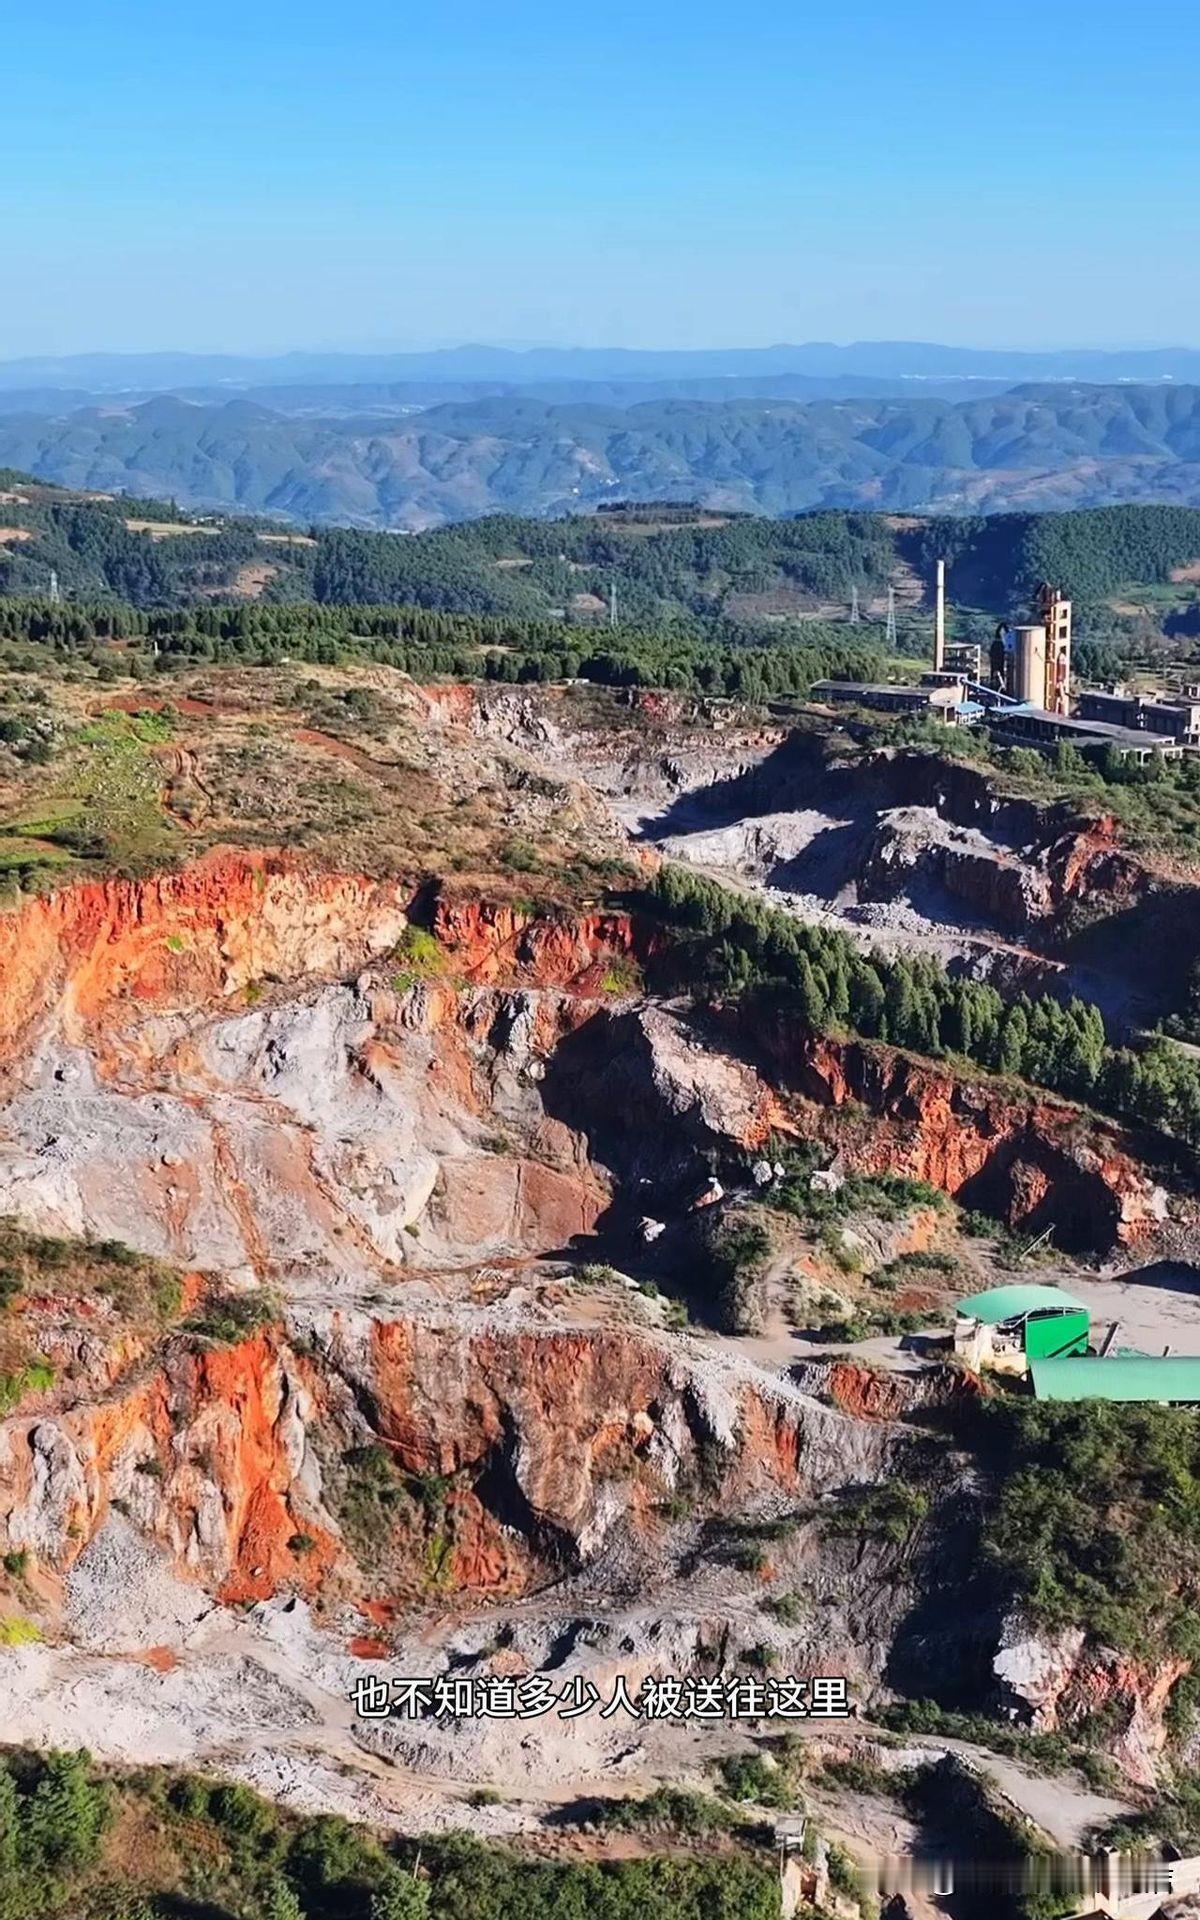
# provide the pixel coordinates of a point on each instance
(891, 620)
(55, 594)
(855, 615)
(612, 603)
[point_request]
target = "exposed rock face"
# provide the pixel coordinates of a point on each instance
(187, 938)
(344, 1127)
(1061, 1680)
(551, 1436)
(867, 1393)
(340, 1130)
(235, 920)
(208, 1455)
(643, 749)
(1044, 858)
(1034, 889)
(656, 1103)
(492, 942)
(154, 1105)
(1034, 1162)
(564, 1434)
(343, 1135)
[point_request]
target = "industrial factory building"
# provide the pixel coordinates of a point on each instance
(1028, 665)
(940, 699)
(1178, 719)
(1022, 691)
(1006, 1328)
(1019, 726)
(1032, 663)
(1043, 1335)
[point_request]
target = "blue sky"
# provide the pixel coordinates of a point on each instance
(262, 176)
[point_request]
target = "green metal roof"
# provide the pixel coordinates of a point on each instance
(1008, 1303)
(1120, 1376)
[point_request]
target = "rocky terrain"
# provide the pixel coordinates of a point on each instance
(359, 1184)
(904, 850)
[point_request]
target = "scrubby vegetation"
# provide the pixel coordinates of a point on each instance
(890, 1510)
(739, 1254)
(677, 1810)
(225, 1318)
(418, 957)
(1044, 1752)
(79, 1843)
(763, 1780)
(1097, 1519)
(1003, 1863)
(1171, 1818)
(101, 800)
(48, 1284)
(885, 1196)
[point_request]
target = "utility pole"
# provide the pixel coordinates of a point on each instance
(891, 619)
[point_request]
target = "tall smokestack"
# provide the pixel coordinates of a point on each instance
(939, 620)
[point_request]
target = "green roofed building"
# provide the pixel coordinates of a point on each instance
(1166, 1379)
(1008, 1327)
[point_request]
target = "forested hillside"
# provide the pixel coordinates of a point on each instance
(462, 646)
(669, 568)
(1055, 446)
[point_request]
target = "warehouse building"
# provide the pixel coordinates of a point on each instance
(1169, 1380)
(1177, 719)
(1038, 727)
(940, 699)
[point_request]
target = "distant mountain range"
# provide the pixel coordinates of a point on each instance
(331, 400)
(1035, 446)
(878, 360)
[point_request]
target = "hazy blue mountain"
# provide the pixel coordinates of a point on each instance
(874, 359)
(1036, 446)
(409, 396)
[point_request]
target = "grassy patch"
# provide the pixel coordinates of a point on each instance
(420, 958)
(106, 805)
(50, 1286)
(16, 1631)
(37, 1376)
